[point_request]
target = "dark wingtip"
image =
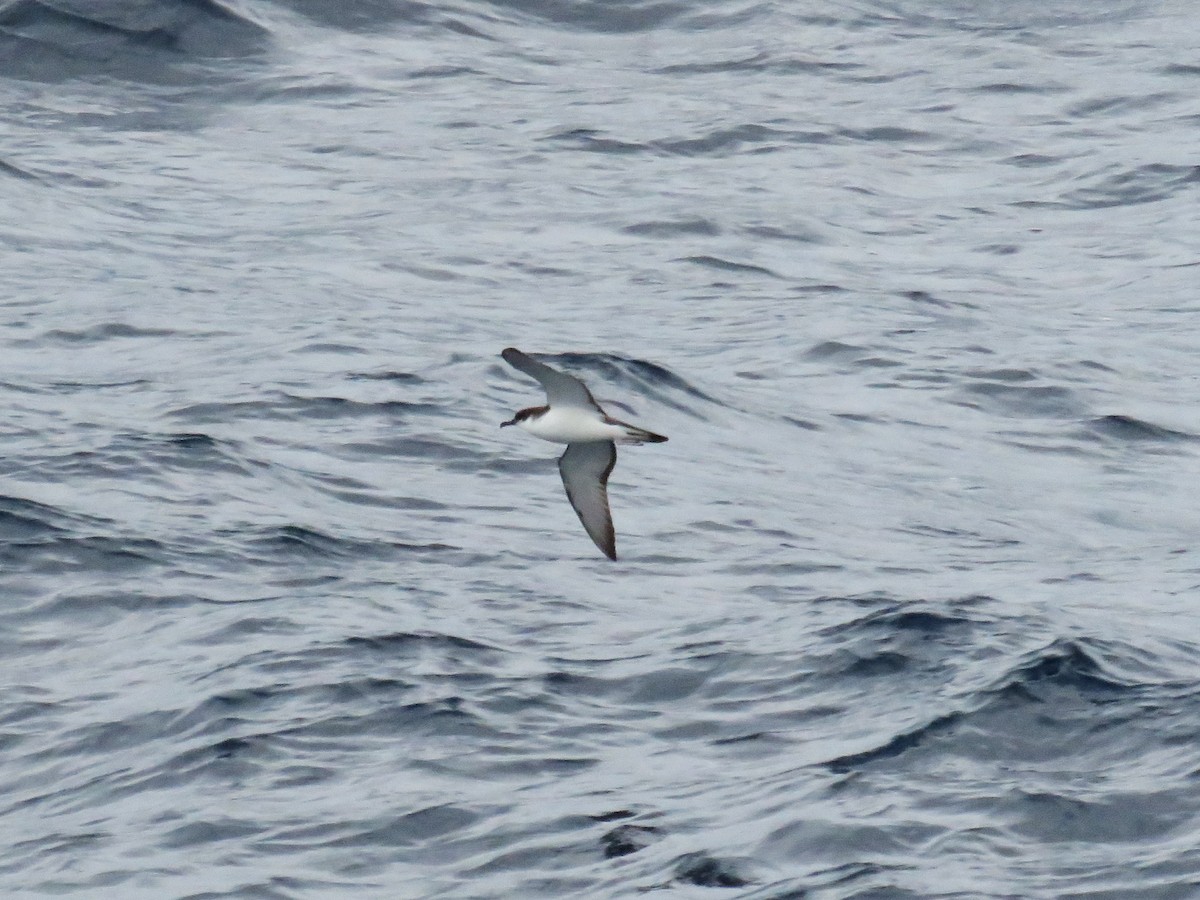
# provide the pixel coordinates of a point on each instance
(508, 351)
(657, 438)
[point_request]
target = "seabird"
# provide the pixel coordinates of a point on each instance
(572, 416)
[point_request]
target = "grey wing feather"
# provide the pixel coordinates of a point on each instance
(585, 469)
(561, 388)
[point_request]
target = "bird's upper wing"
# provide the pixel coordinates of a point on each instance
(585, 468)
(561, 389)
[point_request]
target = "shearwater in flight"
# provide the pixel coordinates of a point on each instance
(573, 417)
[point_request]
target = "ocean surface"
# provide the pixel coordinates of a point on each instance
(909, 605)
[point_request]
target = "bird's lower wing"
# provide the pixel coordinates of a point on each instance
(561, 388)
(585, 469)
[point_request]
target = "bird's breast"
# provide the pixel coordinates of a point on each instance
(565, 426)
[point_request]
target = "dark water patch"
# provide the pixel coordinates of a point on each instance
(444, 72)
(409, 829)
(280, 543)
(782, 569)
(1010, 87)
(359, 493)
(897, 640)
(147, 457)
(26, 520)
(316, 88)
(793, 233)
(591, 140)
(626, 839)
(882, 362)
(246, 626)
(100, 333)
(717, 143)
(927, 299)
(1143, 184)
(760, 63)
(1064, 665)
(63, 554)
(432, 273)
(288, 407)
(1008, 376)
(961, 537)
(897, 618)
(508, 762)
(615, 815)
(887, 134)
(1021, 400)
(1127, 429)
(330, 347)
(447, 718)
(1055, 705)
(254, 731)
(723, 141)
(279, 887)
(861, 418)
(663, 685)
(387, 375)
(834, 350)
(1121, 816)
(1180, 69)
(102, 738)
(1038, 443)
(882, 664)
(47, 852)
(7, 168)
(524, 465)
(1119, 103)
(213, 761)
(726, 265)
(216, 413)
(209, 831)
(600, 16)
(425, 448)
(998, 249)
(676, 228)
(977, 17)
(409, 644)
(539, 270)
(851, 881)
(804, 424)
(897, 746)
(1032, 160)
(93, 605)
(76, 387)
(704, 870)
(1097, 366)
(178, 451)
(344, 407)
(137, 40)
(216, 714)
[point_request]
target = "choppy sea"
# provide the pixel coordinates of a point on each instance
(909, 605)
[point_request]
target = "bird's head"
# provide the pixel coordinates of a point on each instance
(523, 415)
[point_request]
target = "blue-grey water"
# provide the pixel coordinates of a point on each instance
(906, 608)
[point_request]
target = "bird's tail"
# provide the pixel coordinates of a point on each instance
(635, 435)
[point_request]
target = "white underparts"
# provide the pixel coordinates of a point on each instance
(572, 424)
